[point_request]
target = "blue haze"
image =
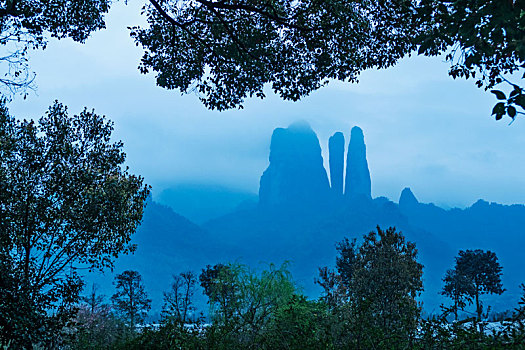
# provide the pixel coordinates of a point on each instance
(299, 219)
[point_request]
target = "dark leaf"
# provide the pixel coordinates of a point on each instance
(499, 108)
(511, 111)
(499, 95)
(520, 101)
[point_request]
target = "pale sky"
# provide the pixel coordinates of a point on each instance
(422, 128)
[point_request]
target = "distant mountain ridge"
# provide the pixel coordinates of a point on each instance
(301, 214)
(203, 202)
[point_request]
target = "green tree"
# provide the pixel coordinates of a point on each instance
(299, 324)
(335, 284)
(480, 272)
(220, 286)
(385, 283)
(333, 291)
(67, 202)
(131, 299)
(379, 282)
(243, 302)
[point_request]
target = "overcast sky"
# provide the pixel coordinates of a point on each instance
(422, 129)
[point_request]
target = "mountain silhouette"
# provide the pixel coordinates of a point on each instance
(301, 214)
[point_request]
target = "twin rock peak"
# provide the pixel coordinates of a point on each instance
(296, 175)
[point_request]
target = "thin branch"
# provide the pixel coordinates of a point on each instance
(240, 45)
(286, 21)
(167, 17)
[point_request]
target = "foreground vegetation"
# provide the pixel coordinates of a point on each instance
(368, 302)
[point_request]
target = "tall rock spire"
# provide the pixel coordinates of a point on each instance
(407, 197)
(296, 175)
(357, 181)
(407, 200)
(336, 150)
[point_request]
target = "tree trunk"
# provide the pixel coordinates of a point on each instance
(478, 308)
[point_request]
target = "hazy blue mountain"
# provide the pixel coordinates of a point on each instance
(203, 202)
(296, 176)
(307, 239)
(306, 234)
(299, 219)
(484, 225)
(357, 181)
(336, 149)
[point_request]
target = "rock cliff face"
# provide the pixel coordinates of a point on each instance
(296, 175)
(336, 149)
(357, 182)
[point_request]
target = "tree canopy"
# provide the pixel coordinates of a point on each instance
(483, 40)
(131, 299)
(374, 290)
(243, 303)
(477, 272)
(229, 50)
(178, 302)
(25, 24)
(67, 203)
(459, 288)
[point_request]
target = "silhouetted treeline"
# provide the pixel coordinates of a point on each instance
(369, 301)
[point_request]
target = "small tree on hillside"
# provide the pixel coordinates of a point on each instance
(480, 273)
(178, 303)
(93, 300)
(94, 325)
(131, 299)
(459, 289)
